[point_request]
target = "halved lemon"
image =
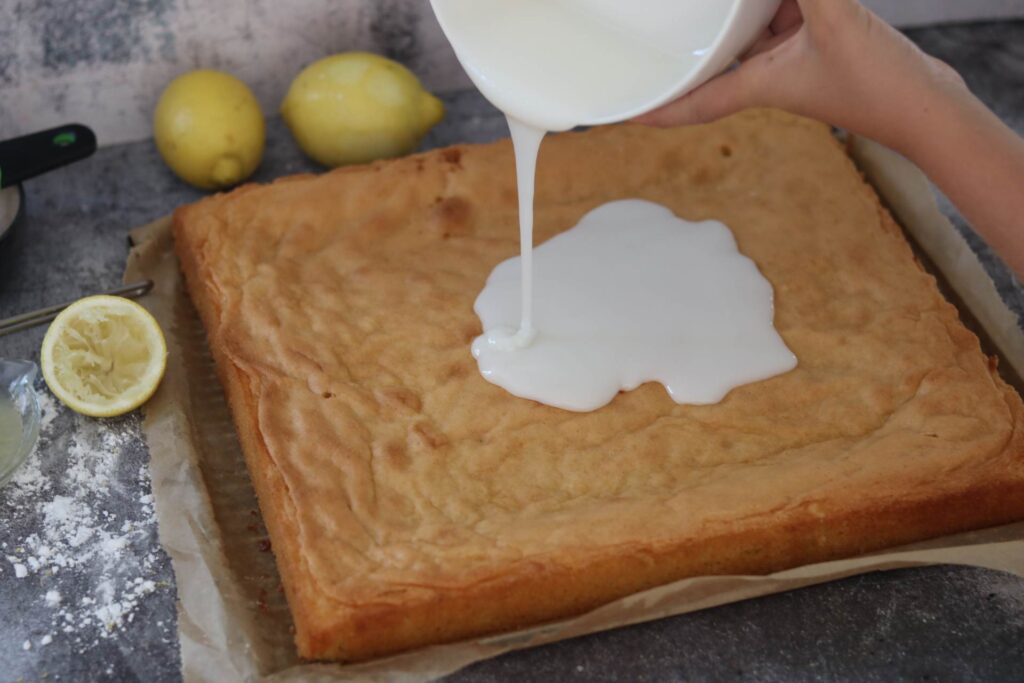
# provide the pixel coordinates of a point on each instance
(103, 356)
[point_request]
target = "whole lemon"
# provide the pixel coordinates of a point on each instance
(209, 129)
(355, 107)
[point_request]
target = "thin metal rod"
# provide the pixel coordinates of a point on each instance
(45, 315)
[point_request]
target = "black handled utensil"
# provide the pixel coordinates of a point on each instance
(30, 155)
(34, 154)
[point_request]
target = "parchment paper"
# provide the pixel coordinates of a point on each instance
(233, 622)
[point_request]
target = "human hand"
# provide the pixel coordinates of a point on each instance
(831, 60)
(835, 61)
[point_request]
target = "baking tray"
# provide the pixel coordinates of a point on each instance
(233, 621)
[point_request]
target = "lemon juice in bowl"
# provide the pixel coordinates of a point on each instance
(10, 430)
(19, 415)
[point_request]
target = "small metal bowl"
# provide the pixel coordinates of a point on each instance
(19, 415)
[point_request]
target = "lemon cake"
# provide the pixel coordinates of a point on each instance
(411, 502)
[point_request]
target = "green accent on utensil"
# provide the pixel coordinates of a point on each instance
(65, 138)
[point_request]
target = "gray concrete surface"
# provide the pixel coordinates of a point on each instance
(932, 624)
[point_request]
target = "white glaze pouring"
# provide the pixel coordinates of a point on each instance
(632, 294)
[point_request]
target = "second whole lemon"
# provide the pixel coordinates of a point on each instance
(209, 129)
(356, 107)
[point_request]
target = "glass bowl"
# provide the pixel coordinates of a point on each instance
(19, 415)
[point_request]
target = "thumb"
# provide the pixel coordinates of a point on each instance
(727, 94)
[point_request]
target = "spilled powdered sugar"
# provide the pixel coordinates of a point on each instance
(71, 535)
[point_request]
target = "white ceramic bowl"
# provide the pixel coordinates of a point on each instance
(726, 27)
(746, 20)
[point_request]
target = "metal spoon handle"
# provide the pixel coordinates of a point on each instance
(44, 315)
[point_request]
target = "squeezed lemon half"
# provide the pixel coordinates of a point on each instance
(103, 356)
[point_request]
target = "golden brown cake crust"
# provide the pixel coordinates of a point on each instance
(411, 502)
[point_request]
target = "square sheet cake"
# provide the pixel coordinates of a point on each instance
(411, 502)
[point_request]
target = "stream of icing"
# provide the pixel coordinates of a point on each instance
(631, 294)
